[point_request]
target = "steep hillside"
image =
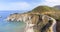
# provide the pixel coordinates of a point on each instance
(47, 11)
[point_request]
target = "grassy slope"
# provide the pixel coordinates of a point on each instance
(47, 11)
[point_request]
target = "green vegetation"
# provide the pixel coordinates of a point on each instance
(53, 12)
(43, 9)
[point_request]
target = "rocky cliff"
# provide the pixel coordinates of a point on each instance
(45, 10)
(50, 11)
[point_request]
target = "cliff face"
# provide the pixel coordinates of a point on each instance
(45, 10)
(41, 22)
(52, 12)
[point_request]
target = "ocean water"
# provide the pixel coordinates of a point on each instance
(6, 26)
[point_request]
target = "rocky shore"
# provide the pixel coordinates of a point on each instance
(39, 10)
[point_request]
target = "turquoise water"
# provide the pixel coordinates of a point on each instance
(6, 26)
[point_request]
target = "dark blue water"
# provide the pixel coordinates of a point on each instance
(6, 26)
